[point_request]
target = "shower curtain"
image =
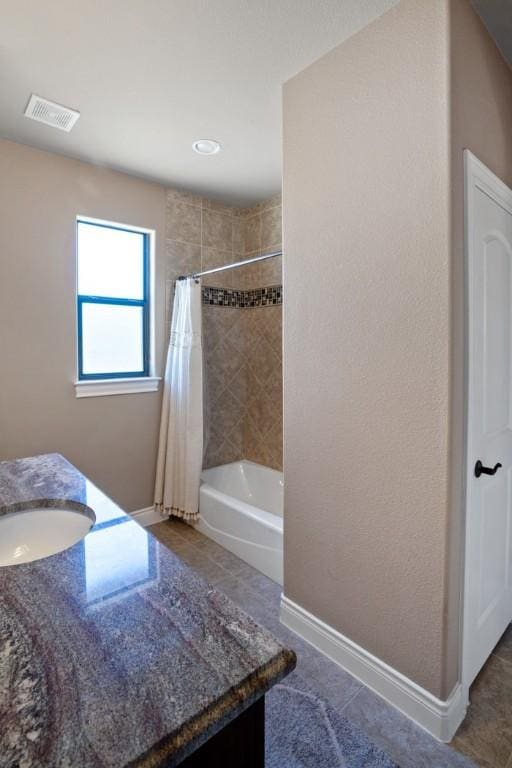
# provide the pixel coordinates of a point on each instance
(180, 450)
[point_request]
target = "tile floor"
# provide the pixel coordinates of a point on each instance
(486, 733)
(482, 740)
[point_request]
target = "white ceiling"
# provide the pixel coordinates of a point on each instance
(497, 17)
(151, 76)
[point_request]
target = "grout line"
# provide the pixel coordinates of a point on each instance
(183, 242)
(475, 755)
(506, 661)
(209, 557)
(358, 691)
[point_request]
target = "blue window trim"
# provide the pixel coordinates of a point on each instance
(114, 301)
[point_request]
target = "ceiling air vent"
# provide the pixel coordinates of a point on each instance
(50, 113)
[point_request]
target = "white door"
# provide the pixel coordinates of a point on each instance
(488, 574)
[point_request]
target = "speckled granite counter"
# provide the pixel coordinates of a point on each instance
(114, 652)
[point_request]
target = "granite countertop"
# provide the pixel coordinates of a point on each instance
(114, 652)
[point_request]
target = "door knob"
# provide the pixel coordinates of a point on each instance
(481, 470)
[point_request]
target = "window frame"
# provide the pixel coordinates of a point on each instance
(144, 303)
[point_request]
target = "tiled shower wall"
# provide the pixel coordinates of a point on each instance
(242, 345)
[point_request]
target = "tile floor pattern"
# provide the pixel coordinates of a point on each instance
(404, 742)
(486, 733)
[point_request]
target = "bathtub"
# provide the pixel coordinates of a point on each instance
(241, 508)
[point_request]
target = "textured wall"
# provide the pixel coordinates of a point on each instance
(367, 338)
(481, 120)
(113, 439)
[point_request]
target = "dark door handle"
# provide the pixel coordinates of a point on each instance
(481, 470)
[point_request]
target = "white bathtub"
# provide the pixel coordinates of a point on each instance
(241, 508)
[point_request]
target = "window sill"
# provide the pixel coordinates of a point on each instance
(101, 387)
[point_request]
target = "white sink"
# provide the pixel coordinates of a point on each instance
(37, 532)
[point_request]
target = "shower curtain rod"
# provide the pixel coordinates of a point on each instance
(197, 275)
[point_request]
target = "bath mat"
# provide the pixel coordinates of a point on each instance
(304, 731)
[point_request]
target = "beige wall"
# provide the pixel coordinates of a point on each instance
(373, 218)
(111, 439)
(366, 338)
(481, 120)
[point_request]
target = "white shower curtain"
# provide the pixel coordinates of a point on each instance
(180, 450)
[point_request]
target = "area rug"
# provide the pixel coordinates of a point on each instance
(304, 731)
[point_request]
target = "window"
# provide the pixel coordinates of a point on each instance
(113, 303)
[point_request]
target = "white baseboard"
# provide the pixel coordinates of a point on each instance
(147, 516)
(440, 718)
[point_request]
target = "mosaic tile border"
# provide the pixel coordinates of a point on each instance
(269, 296)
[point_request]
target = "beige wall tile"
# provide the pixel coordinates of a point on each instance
(242, 347)
(272, 202)
(212, 258)
(175, 195)
(250, 276)
(183, 221)
(239, 235)
(270, 272)
(271, 229)
(252, 234)
(217, 230)
(214, 205)
(182, 258)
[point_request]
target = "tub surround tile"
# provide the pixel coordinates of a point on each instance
(243, 299)
(251, 275)
(252, 234)
(137, 663)
(239, 236)
(215, 205)
(217, 230)
(236, 334)
(176, 195)
(262, 413)
(271, 228)
(222, 297)
(215, 385)
(227, 358)
(183, 222)
(271, 270)
(272, 202)
(230, 412)
(182, 258)
(203, 234)
(263, 361)
(213, 258)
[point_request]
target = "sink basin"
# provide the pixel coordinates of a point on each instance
(38, 532)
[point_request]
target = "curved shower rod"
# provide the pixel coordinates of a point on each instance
(197, 275)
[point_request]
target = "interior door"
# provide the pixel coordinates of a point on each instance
(488, 574)
(488, 582)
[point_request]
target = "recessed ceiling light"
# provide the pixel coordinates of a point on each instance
(206, 147)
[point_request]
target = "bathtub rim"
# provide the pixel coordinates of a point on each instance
(243, 461)
(250, 510)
